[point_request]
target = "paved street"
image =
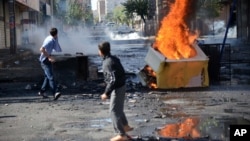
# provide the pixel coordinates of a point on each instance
(187, 66)
(80, 115)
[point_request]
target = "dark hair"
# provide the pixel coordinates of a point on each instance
(53, 31)
(104, 47)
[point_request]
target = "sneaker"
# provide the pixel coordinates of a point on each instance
(57, 95)
(41, 93)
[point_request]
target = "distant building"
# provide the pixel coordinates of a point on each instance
(101, 10)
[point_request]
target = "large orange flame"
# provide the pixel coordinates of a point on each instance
(174, 39)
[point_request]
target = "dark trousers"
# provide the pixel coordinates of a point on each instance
(118, 117)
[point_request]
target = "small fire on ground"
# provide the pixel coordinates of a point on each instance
(186, 129)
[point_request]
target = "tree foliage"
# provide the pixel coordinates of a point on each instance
(59, 12)
(209, 8)
(109, 16)
(139, 7)
(88, 17)
(74, 14)
(120, 15)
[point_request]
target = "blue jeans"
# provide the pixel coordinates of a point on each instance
(48, 76)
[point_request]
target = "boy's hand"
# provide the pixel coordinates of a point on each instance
(104, 96)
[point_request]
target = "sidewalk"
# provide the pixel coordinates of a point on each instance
(7, 58)
(15, 67)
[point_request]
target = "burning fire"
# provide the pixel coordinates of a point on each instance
(174, 39)
(186, 129)
(151, 76)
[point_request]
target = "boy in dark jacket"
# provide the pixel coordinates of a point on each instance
(114, 77)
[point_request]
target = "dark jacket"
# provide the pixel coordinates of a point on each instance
(114, 74)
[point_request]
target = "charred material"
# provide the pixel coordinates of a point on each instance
(71, 67)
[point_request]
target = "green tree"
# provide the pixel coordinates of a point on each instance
(209, 8)
(88, 17)
(120, 15)
(96, 19)
(58, 11)
(74, 14)
(130, 18)
(109, 16)
(139, 7)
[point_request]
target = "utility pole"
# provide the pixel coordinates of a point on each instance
(233, 7)
(12, 25)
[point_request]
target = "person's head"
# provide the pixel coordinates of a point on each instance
(53, 32)
(104, 48)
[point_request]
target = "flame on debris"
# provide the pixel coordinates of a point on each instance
(151, 76)
(174, 39)
(150, 71)
(185, 129)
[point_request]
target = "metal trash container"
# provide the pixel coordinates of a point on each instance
(82, 69)
(71, 68)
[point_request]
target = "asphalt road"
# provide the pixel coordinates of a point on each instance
(80, 115)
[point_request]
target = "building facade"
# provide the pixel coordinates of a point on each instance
(243, 20)
(3, 33)
(101, 6)
(28, 14)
